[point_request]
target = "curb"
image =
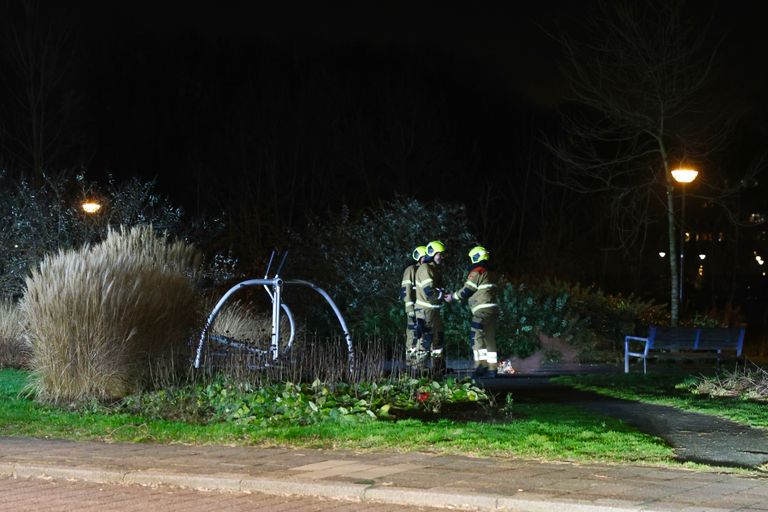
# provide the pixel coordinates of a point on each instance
(335, 490)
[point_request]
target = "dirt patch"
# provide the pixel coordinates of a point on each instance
(553, 350)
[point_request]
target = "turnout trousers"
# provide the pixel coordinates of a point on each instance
(430, 338)
(482, 337)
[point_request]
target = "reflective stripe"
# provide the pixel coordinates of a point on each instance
(472, 285)
(484, 286)
(428, 305)
(482, 355)
(406, 282)
(409, 303)
(424, 282)
(476, 355)
(492, 358)
(437, 352)
(483, 306)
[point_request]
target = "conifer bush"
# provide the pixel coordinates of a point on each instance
(99, 317)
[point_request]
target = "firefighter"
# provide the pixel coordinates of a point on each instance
(480, 293)
(429, 300)
(408, 296)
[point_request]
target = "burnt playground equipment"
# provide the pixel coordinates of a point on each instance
(274, 288)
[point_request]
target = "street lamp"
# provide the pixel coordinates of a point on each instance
(683, 176)
(90, 207)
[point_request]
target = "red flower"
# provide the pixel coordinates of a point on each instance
(422, 396)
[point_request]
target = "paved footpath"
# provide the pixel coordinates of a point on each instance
(57, 495)
(415, 479)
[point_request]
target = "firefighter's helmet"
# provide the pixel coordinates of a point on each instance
(419, 252)
(434, 247)
(478, 254)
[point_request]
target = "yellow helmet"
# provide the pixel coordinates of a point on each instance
(419, 252)
(434, 247)
(479, 253)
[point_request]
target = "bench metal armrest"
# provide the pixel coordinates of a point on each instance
(628, 339)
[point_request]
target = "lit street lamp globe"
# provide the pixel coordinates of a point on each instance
(684, 175)
(90, 207)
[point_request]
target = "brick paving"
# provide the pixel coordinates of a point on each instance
(54, 495)
(368, 479)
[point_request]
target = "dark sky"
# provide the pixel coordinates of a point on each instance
(490, 62)
(501, 44)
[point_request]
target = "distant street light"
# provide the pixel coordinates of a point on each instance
(702, 256)
(683, 176)
(662, 254)
(90, 207)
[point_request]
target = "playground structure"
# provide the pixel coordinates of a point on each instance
(274, 288)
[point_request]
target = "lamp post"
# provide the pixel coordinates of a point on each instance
(683, 176)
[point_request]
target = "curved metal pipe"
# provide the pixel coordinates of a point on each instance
(292, 324)
(335, 308)
(275, 298)
(217, 310)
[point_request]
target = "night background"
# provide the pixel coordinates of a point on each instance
(268, 117)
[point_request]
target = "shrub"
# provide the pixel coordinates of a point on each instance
(14, 349)
(583, 316)
(360, 260)
(99, 315)
(38, 220)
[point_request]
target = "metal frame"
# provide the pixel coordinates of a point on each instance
(274, 288)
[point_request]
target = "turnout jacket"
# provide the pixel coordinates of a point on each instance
(480, 289)
(429, 286)
(407, 290)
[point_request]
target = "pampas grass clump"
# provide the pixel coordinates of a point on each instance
(14, 350)
(101, 316)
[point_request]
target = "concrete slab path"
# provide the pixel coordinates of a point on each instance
(419, 479)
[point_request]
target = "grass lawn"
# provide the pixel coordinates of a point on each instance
(660, 388)
(540, 431)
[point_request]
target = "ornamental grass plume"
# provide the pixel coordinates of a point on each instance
(14, 349)
(101, 316)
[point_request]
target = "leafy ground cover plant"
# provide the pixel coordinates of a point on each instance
(225, 399)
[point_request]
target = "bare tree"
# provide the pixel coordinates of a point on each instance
(36, 125)
(638, 74)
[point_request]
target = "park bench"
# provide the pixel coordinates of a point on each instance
(686, 342)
